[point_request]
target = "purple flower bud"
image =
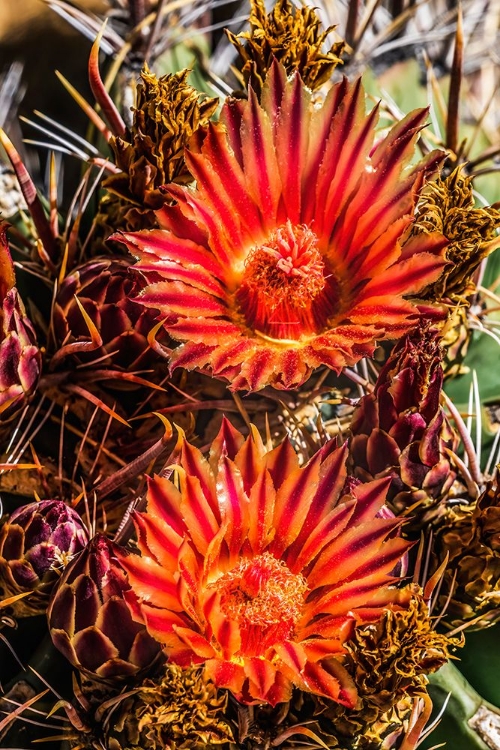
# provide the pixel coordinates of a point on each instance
(105, 288)
(38, 540)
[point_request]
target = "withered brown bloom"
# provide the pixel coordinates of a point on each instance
(470, 534)
(388, 660)
(178, 710)
(167, 113)
(447, 206)
(291, 35)
(455, 340)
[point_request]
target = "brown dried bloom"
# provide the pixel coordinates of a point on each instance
(470, 534)
(455, 340)
(388, 660)
(447, 206)
(167, 113)
(178, 710)
(290, 35)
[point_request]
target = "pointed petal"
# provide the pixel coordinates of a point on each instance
(164, 500)
(250, 459)
(331, 679)
(261, 166)
(332, 478)
(233, 504)
(343, 556)
(198, 515)
(178, 298)
(291, 141)
(262, 675)
(262, 500)
(159, 539)
(327, 529)
(195, 642)
(165, 245)
(293, 501)
(152, 582)
(208, 331)
(227, 442)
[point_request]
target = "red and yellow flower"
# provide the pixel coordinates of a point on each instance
(292, 251)
(259, 568)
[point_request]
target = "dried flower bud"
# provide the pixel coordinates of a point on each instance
(447, 206)
(167, 113)
(388, 660)
(290, 35)
(180, 709)
(470, 536)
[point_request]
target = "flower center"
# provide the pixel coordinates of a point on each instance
(283, 280)
(265, 598)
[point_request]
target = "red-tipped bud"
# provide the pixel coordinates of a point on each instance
(89, 621)
(401, 431)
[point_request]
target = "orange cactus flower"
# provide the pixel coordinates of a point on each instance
(292, 250)
(259, 568)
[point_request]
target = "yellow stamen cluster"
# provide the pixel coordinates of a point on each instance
(262, 594)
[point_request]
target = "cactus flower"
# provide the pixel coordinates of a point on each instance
(292, 251)
(258, 568)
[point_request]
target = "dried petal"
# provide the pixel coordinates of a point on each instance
(469, 536)
(448, 206)
(151, 154)
(291, 35)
